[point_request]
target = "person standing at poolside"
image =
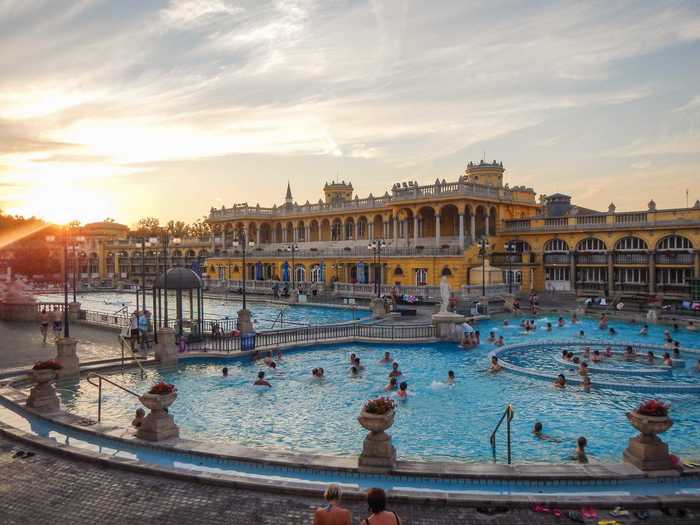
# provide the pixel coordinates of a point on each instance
(333, 513)
(376, 501)
(57, 323)
(44, 324)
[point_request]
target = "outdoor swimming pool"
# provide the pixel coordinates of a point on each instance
(437, 422)
(264, 314)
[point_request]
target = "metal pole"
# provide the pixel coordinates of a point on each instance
(510, 271)
(508, 418)
(379, 270)
(483, 268)
(244, 241)
(99, 400)
(143, 271)
(75, 266)
(165, 278)
(66, 328)
(293, 269)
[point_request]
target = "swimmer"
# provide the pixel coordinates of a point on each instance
(224, 371)
(260, 381)
(549, 327)
(477, 337)
(138, 418)
(505, 323)
(358, 365)
(612, 331)
(321, 372)
(586, 383)
(608, 352)
(500, 341)
(279, 356)
(391, 385)
(580, 452)
(354, 371)
(574, 319)
(403, 390)
(583, 369)
(644, 330)
(268, 358)
(650, 357)
(581, 333)
(564, 354)
(314, 373)
(596, 358)
(272, 365)
(492, 337)
(576, 360)
(676, 349)
(352, 359)
(395, 372)
(691, 326)
(630, 354)
(386, 358)
(495, 366)
(675, 327)
(667, 359)
(587, 352)
(697, 367)
(450, 378)
(561, 322)
(560, 381)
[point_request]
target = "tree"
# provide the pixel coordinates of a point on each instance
(200, 229)
(148, 226)
(177, 228)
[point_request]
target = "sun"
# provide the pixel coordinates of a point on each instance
(66, 203)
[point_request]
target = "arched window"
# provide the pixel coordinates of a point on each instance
(519, 246)
(421, 276)
(398, 271)
(630, 244)
(300, 273)
(591, 245)
(556, 245)
(316, 273)
(446, 271)
(674, 242)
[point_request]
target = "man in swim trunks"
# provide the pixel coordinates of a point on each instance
(395, 372)
(44, 324)
(260, 381)
(386, 358)
(495, 366)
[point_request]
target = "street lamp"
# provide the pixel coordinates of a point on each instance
(242, 242)
(376, 248)
(510, 250)
(483, 246)
(74, 248)
(293, 248)
(52, 238)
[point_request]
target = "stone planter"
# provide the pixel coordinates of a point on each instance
(377, 451)
(646, 451)
(42, 397)
(158, 424)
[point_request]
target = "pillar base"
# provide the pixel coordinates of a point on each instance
(648, 453)
(377, 452)
(165, 350)
(74, 311)
(245, 324)
(378, 307)
(67, 356)
(157, 426)
(447, 325)
(293, 297)
(43, 398)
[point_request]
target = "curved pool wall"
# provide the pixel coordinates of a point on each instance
(574, 378)
(620, 483)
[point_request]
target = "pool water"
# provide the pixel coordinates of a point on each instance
(436, 422)
(265, 315)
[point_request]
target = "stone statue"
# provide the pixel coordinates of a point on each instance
(444, 294)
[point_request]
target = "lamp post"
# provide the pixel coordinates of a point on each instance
(376, 248)
(510, 249)
(483, 246)
(52, 238)
(242, 242)
(293, 248)
(74, 247)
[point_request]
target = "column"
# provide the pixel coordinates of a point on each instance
(486, 225)
(437, 230)
(572, 270)
(357, 230)
(652, 272)
(611, 274)
(472, 226)
(696, 265)
(396, 230)
(370, 230)
(307, 233)
(461, 230)
(415, 230)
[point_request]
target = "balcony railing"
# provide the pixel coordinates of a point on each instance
(592, 258)
(557, 258)
(631, 287)
(348, 251)
(674, 258)
(631, 258)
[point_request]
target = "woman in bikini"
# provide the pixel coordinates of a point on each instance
(376, 501)
(333, 513)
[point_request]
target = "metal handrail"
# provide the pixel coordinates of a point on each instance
(99, 388)
(508, 416)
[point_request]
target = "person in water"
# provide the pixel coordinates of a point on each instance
(676, 349)
(352, 359)
(392, 385)
(403, 390)
(386, 358)
(358, 365)
(612, 331)
(561, 322)
(138, 418)
(333, 513)
(586, 383)
(667, 359)
(596, 358)
(495, 365)
(650, 357)
(644, 330)
(492, 337)
(450, 378)
(500, 341)
(224, 371)
(579, 454)
(630, 354)
(691, 326)
(354, 371)
(549, 327)
(608, 352)
(560, 381)
(583, 369)
(574, 319)
(260, 381)
(581, 334)
(697, 367)
(395, 372)
(587, 352)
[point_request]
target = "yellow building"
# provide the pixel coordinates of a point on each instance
(433, 230)
(429, 231)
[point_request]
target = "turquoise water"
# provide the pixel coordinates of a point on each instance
(436, 422)
(264, 314)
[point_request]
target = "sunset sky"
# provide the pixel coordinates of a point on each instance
(126, 109)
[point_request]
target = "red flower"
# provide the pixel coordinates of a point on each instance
(162, 389)
(652, 407)
(379, 406)
(51, 364)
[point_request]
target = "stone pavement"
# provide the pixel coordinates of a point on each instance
(21, 343)
(53, 490)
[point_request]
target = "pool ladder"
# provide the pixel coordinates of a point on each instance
(100, 378)
(508, 417)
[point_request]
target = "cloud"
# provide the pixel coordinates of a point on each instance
(692, 105)
(682, 143)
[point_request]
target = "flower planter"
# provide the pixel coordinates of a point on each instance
(42, 396)
(378, 454)
(158, 424)
(646, 451)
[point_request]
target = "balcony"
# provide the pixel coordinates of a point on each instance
(673, 258)
(631, 258)
(358, 250)
(596, 286)
(593, 259)
(557, 258)
(632, 287)
(502, 259)
(675, 289)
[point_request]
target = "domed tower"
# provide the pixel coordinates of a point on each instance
(337, 192)
(485, 173)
